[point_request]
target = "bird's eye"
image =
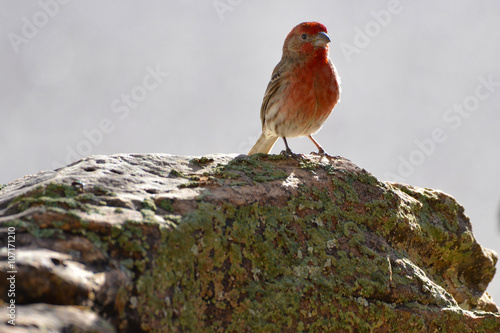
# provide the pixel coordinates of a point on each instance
(303, 36)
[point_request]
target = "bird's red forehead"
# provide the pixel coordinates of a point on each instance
(310, 28)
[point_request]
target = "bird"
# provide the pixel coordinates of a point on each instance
(303, 90)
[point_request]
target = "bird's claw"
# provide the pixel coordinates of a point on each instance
(322, 153)
(289, 153)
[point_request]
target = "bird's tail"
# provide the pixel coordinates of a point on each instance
(263, 145)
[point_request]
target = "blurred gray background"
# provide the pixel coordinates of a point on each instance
(420, 82)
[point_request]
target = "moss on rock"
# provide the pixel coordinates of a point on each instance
(261, 243)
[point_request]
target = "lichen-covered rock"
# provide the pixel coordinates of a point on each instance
(245, 244)
(43, 318)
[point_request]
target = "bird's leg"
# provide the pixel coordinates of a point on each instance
(288, 151)
(321, 151)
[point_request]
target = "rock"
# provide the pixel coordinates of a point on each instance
(157, 242)
(42, 318)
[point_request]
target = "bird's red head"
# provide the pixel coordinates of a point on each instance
(306, 39)
(311, 28)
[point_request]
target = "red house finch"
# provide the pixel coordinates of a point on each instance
(303, 90)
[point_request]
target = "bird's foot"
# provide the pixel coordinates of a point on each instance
(288, 153)
(322, 153)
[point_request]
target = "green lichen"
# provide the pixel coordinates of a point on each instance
(96, 239)
(149, 203)
(57, 196)
(166, 204)
(212, 250)
(191, 184)
(100, 190)
(180, 174)
(238, 183)
(50, 193)
(37, 232)
(201, 161)
(87, 198)
(276, 157)
(255, 167)
(308, 165)
(174, 173)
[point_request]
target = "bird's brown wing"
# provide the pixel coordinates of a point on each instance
(272, 87)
